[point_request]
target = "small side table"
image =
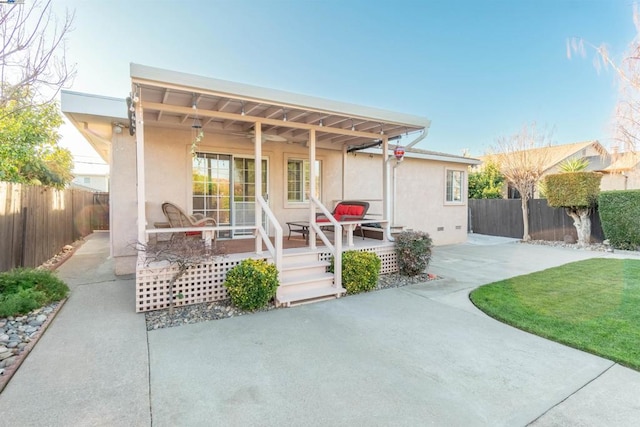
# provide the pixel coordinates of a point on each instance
(301, 227)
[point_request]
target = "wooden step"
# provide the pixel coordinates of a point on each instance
(301, 269)
(310, 280)
(288, 297)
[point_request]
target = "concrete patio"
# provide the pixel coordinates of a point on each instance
(410, 356)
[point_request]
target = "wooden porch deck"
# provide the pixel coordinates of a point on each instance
(243, 246)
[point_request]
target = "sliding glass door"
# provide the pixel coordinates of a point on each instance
(214, 177)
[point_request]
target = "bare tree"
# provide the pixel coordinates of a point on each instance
(182, 253)
(522, 159)
(33, 57)
(627, 113)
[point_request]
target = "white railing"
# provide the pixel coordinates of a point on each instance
(336, 247)
(275, 251)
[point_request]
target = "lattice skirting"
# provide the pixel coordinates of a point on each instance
(205, 282)
(387, 255)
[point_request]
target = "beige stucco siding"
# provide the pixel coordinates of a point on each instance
(168, 168)
(123, 203)
(419, 191)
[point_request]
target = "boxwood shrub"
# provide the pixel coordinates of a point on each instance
(25, 289)
(360, 271)
(252, 284)
(413, 249)
(620, 218)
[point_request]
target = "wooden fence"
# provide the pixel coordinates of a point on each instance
(503, 217)
(37, 222)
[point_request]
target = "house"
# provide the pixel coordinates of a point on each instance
(553, 156)
(193, 140)
(623, 173)
(91, 182)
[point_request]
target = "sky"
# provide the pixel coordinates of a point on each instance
(479, 70)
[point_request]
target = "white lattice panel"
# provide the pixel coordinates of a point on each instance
(387, 255)
(201, 283)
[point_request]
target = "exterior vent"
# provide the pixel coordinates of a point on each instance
(440, 228)
(458, 227)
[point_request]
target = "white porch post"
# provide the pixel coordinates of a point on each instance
(258, 184)
(140, 174)
(386, 203)
(312, 186)
(344, 172)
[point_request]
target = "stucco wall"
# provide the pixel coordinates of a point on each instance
(419, 191)
(629, 180)
(420, 185)
(123, 205)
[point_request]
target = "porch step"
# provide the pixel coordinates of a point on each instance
(304, 279)
(291, 296)
(301, 269)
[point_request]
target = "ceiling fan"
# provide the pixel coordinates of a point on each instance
(266, 137)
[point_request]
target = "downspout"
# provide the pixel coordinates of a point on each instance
(392, 214)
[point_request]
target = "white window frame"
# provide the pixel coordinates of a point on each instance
(305, 200)
(462, 187)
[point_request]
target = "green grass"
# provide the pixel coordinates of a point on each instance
(592, 305)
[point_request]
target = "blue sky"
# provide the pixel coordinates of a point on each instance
(478, 69)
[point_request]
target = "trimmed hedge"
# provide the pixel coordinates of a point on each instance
(360, 271)
(572, 189)
(252, 284)
(620, 218)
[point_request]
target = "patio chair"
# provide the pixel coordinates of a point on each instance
(347, 210)
(178, 219)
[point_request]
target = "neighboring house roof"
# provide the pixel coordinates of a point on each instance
(623, 162)
(556, 154)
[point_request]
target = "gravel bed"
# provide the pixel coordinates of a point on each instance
(600, 247)
(223, 309)
(17, 332)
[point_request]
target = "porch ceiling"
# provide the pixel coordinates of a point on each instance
(167, 99)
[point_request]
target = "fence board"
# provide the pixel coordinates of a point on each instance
(503, 217)
(37, 222)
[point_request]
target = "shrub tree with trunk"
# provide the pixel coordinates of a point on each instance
(577, 193)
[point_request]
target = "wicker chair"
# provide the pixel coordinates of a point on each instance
(178, 218)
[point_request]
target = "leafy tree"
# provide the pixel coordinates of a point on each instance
(486, 182)
(29, 151)
(522, 159)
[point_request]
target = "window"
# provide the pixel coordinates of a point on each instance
(298, 183)
(454, 189)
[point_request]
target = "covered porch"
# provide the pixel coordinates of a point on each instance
(225, 111)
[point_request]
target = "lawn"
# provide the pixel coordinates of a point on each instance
(592, 305)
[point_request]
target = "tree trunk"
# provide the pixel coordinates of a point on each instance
(582, 223)
(525, 220)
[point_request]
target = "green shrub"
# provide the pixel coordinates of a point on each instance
(252, 284)
(25, 289)
(360, 271)
(413, 249)
(620, 218)
(572, 189)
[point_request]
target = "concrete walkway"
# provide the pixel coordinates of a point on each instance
(411, 356)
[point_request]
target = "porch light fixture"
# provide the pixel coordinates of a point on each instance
(381, 129)
(353, 126)
(242, 113)
(321, 123)
(284, 115)
(117, 128)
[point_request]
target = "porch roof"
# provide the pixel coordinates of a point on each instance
(168, 99)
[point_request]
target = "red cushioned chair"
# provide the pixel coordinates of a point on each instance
(347, 210)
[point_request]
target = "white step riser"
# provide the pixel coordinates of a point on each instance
(300, 258)
(295, 287)
(288, 296)
(288, 275)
